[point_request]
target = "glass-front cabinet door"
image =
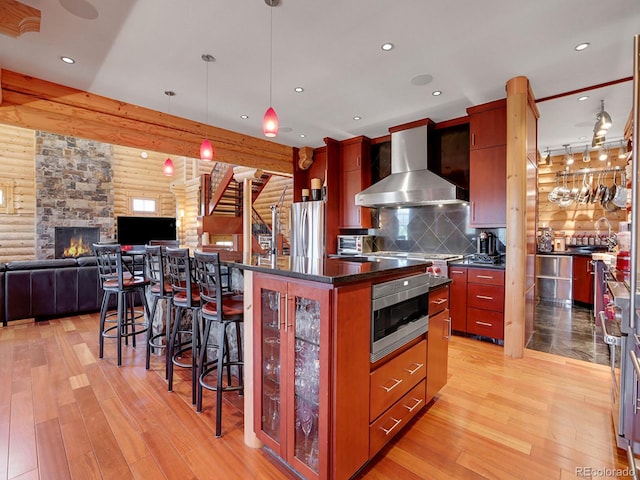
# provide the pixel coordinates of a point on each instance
(292, 384)
(267, 378)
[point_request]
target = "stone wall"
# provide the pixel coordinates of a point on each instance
(74, 188)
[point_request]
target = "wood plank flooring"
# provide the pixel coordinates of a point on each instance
(64, 413)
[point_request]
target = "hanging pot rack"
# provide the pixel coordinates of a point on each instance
(585, 171)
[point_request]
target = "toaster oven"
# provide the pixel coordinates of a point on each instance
(354, 244)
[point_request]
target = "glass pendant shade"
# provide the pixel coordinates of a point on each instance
(168, 168)
(206, 151)
(270, 123)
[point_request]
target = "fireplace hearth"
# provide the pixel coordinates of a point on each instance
(73, 242)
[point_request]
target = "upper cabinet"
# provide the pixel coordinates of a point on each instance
(355, 176)
(488, 164)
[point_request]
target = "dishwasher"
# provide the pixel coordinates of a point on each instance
(554, 279)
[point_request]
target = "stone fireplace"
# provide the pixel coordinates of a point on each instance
(74, 190)
(72, 242)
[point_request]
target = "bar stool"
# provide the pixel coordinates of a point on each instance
(115, 279)
(223, 310)
(186, 302)
(160, 289)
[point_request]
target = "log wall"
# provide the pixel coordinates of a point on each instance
(17, 229)
(576, 218)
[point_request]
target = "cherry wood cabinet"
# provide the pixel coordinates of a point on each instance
(458, 302)
(485, 302)
(312, 373)
(355, 170)
(488, 164)
(438, 341)
(477, 301)
(292, 385)
(583, 279)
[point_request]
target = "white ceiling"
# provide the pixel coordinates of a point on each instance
(135, 50)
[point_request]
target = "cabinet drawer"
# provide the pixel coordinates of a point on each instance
(395, 378)
(485, 323)
(438, 300)
(488, 297)
(486, 276)
(394, 419)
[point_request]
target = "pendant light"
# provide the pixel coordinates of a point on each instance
(270, 121)
(206, 149)
(586, 156)
(167, 169)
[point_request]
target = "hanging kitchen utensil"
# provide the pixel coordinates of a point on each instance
(554, 194)
(565, 197)
(597, 192)
(620, 199)
(574, 190)
(583, 196)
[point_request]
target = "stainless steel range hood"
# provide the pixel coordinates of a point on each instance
(410, 183)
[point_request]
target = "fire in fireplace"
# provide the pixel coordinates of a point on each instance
(72, 242)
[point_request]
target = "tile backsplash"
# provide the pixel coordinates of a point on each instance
(430, 229)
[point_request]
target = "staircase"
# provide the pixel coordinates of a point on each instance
(221, 198)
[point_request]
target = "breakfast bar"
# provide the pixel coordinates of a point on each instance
(318, 397)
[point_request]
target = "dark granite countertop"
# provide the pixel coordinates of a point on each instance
(338, 270)
(468, 262)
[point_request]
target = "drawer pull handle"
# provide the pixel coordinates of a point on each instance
(485, 324)
(440, 301)
(488, 277)
(397, 421)
(397, 381)
(418, 367)
(415, 405)
(457, 272)
(484, 297)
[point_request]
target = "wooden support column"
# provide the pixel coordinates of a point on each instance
(516, 258)
(245, 175)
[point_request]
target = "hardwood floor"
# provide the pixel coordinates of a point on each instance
(64, 413)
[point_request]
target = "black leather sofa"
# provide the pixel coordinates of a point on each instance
(43, 289)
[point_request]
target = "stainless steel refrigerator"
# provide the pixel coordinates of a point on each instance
(307, 235)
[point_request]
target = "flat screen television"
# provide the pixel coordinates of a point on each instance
(140, 230)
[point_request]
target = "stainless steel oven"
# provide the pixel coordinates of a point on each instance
(400, 313)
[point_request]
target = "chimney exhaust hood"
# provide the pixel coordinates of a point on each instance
(410, 183)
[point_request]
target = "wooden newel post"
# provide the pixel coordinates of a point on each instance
(246, 175)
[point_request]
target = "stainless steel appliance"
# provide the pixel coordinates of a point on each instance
(354, 244)
(486, 244)
(554, 278)
(439, 261)
(411, 183)
(307, 231)
(399, 313)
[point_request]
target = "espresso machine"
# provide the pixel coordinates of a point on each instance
(486, 244)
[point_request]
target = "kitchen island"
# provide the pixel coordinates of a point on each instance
(316, 398)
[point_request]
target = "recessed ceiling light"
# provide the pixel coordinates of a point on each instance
(357, 118)
(299, 89)
(581, 46)
(144, 154)
(68, 60)
(244, 117)
(436, 93)
(582, 137)
(387, 46)
(583, 98)
(302, 135)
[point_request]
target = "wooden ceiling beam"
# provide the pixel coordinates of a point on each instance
(17, 18)
(40, 105)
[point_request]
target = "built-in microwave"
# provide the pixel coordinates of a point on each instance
(399, 313)
(354, 244)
